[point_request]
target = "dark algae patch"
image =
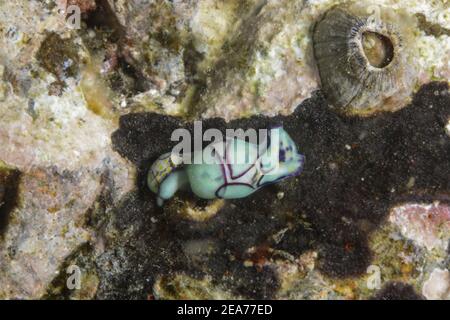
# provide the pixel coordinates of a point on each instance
(58, 56)
(356, 169)
(397, 291)
(431, 29)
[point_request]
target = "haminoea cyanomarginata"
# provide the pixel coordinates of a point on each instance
(230, 169)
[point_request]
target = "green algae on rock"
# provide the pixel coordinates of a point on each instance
(181, 286)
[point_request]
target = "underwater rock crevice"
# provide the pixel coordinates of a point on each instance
(356, 169)
(9, 195)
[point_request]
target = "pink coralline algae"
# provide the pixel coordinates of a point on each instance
(426, 224)
(437, 287)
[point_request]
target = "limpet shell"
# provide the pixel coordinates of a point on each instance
(365, 61)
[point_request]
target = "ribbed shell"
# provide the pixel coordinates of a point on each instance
(350, 83)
